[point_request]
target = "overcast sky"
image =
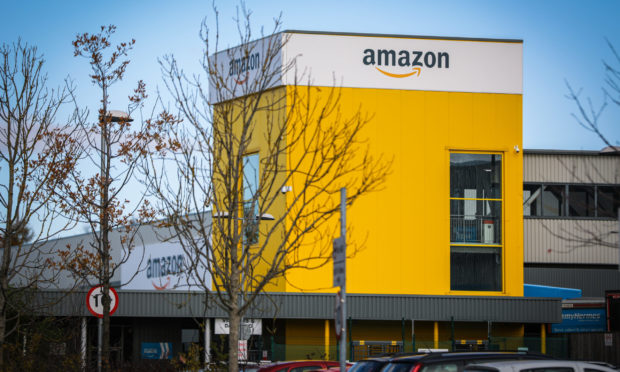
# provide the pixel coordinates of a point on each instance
(563, 40)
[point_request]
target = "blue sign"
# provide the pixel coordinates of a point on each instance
(157, 350)
(581, 320)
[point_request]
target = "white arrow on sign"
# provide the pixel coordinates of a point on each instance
(94, 301)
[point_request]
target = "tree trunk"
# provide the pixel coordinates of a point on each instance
(234, 322)
(2, 326)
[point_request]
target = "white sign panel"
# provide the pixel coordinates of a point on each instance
(238, 70)
(163, 266)
(381, 62)
(339, 255)
(222, 327)
(408, 63)
(243, 350)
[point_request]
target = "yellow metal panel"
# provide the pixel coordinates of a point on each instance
(402, 232)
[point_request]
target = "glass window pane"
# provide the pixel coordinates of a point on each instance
(532, 199)
(250, 200)
(581, 201)
(250, 176)
(475, 269)
(481, 173)
(476, 221)
(608, 201)
(553, 200)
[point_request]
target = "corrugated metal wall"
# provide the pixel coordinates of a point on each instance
(570, 241)
(564, 240)
(571, 168)
(592, 282)
(321, 306)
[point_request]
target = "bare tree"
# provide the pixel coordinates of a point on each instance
(268, 162)
(36, 154)
(589, 114)
(112, 146)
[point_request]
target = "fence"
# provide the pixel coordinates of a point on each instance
(582, 346)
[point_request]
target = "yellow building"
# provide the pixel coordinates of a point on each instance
(441, 244)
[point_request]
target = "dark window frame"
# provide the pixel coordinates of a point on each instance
(496, 247)
(566, 202)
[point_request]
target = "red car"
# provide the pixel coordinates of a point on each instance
(299, 366)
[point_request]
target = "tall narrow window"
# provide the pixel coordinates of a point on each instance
(250, 198)
(532, 200)
(608, 200)
(475, 222)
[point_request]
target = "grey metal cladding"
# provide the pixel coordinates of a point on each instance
(321, 306)
(592, 281)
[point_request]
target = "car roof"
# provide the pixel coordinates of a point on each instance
(462, 355)
(386, 358)
(287, 363)
(524, 364)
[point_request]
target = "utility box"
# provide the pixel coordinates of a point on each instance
(488, 232)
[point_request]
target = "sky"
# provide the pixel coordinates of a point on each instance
(564, 41)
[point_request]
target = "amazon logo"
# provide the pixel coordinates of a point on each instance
(240, 66)
(407, 63)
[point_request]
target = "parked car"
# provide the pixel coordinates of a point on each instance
(333, 369)
(299, 366)
(453, 361)
(374, 364)
(539, 365)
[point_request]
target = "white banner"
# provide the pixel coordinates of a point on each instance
(222, 326)
(164, 266)
(407, 63)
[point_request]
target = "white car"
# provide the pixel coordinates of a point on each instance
(539, 366)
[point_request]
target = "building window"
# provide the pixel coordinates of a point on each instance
(475, 222)
(553, 200)
(571, 200)
(475, 268)
(250, 198)
(581, 201)
(608, 201)
(532, 200)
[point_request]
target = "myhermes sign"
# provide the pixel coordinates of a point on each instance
(407, 63)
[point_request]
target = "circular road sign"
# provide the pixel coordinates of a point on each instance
(95, 304)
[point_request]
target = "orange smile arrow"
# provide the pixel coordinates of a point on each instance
(416, 70)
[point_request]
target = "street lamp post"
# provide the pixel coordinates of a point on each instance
(112, 116)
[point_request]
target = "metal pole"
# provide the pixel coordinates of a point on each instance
(413, 335)
(452, 332)
(343, 288)
(207, 342)
(84, 343)
(99, 342)
(489, 329)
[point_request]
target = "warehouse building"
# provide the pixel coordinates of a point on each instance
(445, 263)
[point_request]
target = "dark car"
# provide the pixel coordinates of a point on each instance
(451, 361)
(374, 364)
(299, 366)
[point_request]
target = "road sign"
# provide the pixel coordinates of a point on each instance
(339, 256)
(94, 301)
(338, 315)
